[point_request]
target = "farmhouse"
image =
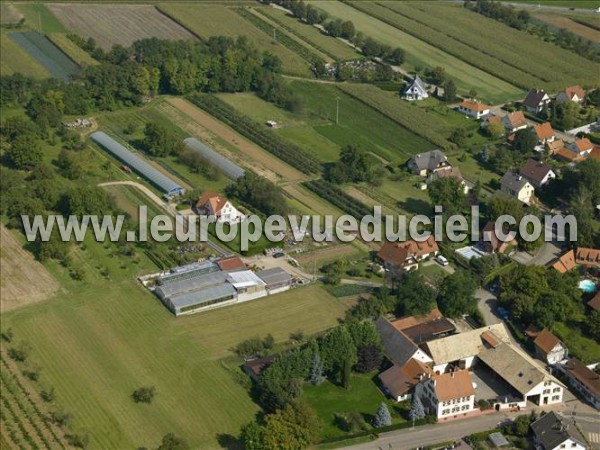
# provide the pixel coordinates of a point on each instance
(427, 163)
(138, 164)
(406, 255)
(490, 242)
(216, 206)
(453, 172)
(397, 347)
(415, 90)
(589, 257)
(553, 432)
(514, 121)
(517, 186)
(447, 395)
(473, 108)
(399, 381)
(583, 379)
(549, 348)
(538, 173)
(544, 133)
(536, 100)
(571, 94)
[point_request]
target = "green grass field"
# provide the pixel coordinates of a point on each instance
(586, 4)
(333, 47)
(99, 340)
(421, 54)
(16, 60)
(81, 57)
(38, 17)
(212, 20)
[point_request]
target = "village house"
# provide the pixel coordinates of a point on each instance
(517, 186)
(398, 347)
(215, 205)
(583, 379)
(415, 90)
(544, 133)
(571, 94)
(581, 147)
(491, 243)
(453, 172)
(588, 257)
(549, 348)
(536, 100)
(553, 432)
(514, 121)
(538, 173)
(429, 162)
(447, 395)
(473, 108)
(399, 381)
(405, 256)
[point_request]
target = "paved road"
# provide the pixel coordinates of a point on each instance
(547, 253)
(486, 302)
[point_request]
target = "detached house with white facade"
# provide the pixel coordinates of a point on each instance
(215, 205)
(473, 108)
(549, 348)
(448, 395)
(517, 186)
(415, 90)
(536, 100)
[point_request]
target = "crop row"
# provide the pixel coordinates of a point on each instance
(284, 150)
(339, 198)
(19, 390)
(417, 120)
(283, 38)
(14, 417)
(8, 429)
(474, 57)
(499, 41)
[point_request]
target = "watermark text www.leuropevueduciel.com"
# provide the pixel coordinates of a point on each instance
(374, 227)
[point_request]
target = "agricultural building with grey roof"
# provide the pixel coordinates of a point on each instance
(276, 279)
(138, 164)
(210, 156)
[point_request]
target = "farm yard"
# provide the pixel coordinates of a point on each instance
(207, 20)
(421, 54)
(46, 53)
(111, 24)
(568, 23)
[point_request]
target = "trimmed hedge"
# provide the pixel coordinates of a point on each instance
(339, 198)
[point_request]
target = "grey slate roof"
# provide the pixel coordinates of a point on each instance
(139, 165)
(418, 84)
(397, 347)
(275, 275)
(202, 296)
(534, 98)
(201, 282)
(429, 160)
(188, 271)
(498, 440)
(513, 181)
(552, 430)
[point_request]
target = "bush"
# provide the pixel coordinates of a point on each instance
(144, 394)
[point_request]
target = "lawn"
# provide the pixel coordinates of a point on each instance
(584, 348)
(420, 54)
(207, 20)
(100, 339)
(363, 397)
(433, 273)
(17, 60)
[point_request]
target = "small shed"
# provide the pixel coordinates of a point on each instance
(498, 440)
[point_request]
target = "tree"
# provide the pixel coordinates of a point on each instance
(144, 394)
(369, 358)
(449, 91)
(495, 130)
(337, 347)
(417, 411)
(268, 342)
(316, 373)
(450, 194)
(593, 324)
(383, 418)
(414, 295)
(348, 31)
(396, 56)
(252, 436)
(172, 442)
(334, 27)
(459, 136)
(25, 151)
(524, 141)
(346, 372)
(457, 294)
(296, 426)
(436, 76)
(158, 141)
(353, 165)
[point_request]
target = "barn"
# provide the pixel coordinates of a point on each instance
(142, 167)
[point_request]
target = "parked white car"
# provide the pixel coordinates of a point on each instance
(441, 260)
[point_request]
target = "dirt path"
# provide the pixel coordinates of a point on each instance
(23, 280)
(263, 161)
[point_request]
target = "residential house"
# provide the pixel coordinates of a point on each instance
(544, 133)
(447, 395)
(554, 146)
(517, 186)
(565, 262)
(405, 256)
(397, 347)
(594, 303)
(429, 162)
(565, 154)
(399, 381)
(549, 348)
(571, 94)
(514, 121)
(473, 108)
(538, 173)
(588, 257)
(553, 432)
(583, 379)
(458, 351)
(215, 205)
(524, 379)
(453, 172)
(582, 147)
(491, 243)
(415, 90)
(536, 100)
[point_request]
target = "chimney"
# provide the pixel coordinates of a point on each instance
(452, 374)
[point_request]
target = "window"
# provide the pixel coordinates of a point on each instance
(556, 390)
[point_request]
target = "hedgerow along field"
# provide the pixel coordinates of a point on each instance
(206, 20)
(111, 24)
(419, 54)
(100, 339)
(580, 29)
(513, 55)
(72, 50)
(46, 53)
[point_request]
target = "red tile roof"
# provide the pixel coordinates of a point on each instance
(565, 153)
(474, 105)
(546, 341)
(595, 302)
(544, 131)
(449, 386)
(566, 262)
(216, 201)
(233, 263)
(583, 145)
(401, 379)
(585, 376)
(595, 154)
(571, 91)
(588, 256)
(516, 119)
(410, 321)
(397, 253)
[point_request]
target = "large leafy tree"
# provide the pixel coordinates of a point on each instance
(457, 294)
(448, 193)
(294, 427)
(337, 347)
(414, 295)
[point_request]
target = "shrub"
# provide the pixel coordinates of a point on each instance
(144, 394)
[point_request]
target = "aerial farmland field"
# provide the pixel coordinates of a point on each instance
(419, 54)
(207, 20)
(71, 49)
(112, 24)
(16, 60)
(9, 14)
(571, 25)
